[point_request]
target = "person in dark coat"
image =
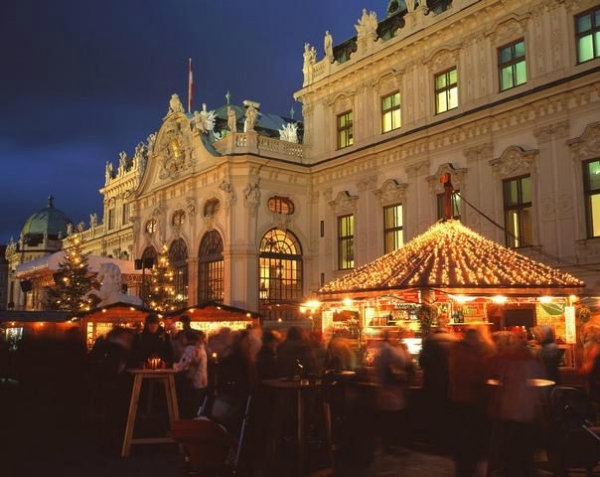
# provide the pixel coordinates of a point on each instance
(152, 342)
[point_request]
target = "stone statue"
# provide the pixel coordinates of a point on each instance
(108, 171)
(367, 25)
(93, 219)
(410, 5)
(328, 46)
(289, 133)
(110, 290)
(251, 116)
(231, 119)
(175, 105)
(122, 160)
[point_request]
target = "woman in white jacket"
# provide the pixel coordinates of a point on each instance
(193, 378)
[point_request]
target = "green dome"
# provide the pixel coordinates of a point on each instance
(47, 221)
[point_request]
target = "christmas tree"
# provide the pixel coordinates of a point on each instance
(72, 281)
(159, 292)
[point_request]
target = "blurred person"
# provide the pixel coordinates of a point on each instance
(467, 373)
(294, 354)
(549, 354)
(392, 369)
(339, 355)
(237, 371)
(194, 378)
(591, 369)
(516, 406)
(433, 360)
(266, 359)
(152, 342)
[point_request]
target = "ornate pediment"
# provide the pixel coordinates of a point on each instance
(391, 192)
(344, 203)
(442, 58)
(173, 150)
(510, 29)
(514, 161)
(456, 177)
(586, 146)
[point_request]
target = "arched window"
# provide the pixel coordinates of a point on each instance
(178, 259)
(149, 256)
(211, 283)
(280, 205)
(280, 268)
(178, 218)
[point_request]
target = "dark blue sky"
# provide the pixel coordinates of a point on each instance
(82, 80)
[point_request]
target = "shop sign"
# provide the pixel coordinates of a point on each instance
(570, 328)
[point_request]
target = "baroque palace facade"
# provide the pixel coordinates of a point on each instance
(504, 95)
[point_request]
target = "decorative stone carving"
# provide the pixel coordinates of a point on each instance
(508, 30)
(229, 193)
(252, 197)
(456, 176)
(204, 121)
(190, 206)
(442, 58)
(391, 192)
(587, 146)
(93, 219)
(231, 119)
(174, 152)
(328, 47)
(175, 105)
(289, 133)
(367, 25)
(343, 203)
(251, 118)
(310, 58)
(514, 161)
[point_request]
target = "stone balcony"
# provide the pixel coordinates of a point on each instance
(253, 143)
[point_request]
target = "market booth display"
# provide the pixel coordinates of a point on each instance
(451, 276)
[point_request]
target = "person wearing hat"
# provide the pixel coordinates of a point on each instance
(152, 342)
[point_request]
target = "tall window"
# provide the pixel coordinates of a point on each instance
(280, 268)
(125, 215)
(393, 234)
(591, 186)
(345, 135)
(446, 90)
(518, 216)
(211, 282)
(587, 34)
(111, 219)
(511, 65)
(455, 206)
(178, 259)
(346, 242)
(390, 112)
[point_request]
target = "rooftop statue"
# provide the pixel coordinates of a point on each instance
(110, 290)
(175, 105)
(328, 46)
(367, 25)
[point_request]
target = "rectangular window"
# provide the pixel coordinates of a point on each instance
(111, 219)
(511, 65)
(211, 281)
(455, 206)
(345, 134)
(587, 35)
(446, 90)
(591, 187)
(393, 234)
(346, 242)
(125, 220)
(390, 112)
(518, 213)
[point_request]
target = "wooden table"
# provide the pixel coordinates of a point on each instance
(299, 387)
(167, 377)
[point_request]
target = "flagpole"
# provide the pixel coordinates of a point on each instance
(190, 87)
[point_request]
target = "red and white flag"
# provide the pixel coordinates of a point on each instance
(190, 88)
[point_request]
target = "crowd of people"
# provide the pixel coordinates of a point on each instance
(472, 395)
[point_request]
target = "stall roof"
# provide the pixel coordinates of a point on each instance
(52, 263)
(116, 311)
(450, 256)
(34, 316)
(213, 311)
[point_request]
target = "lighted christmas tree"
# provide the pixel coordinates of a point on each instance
(159, 293)
(72, 281)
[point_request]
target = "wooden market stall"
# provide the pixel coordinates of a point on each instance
(451, 276)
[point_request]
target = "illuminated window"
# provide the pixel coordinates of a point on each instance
(390, 112)
(151, 226)
(511, 65)
(587, 34)
(178, 259)
(446, 91)
(211, 283)
(393, 234)
(518, 214)
(281, 205)
(345, 134)
(591, 185)
(280, 268)
(211, 207)
(178, 218)
(455, 204)
(346, 242)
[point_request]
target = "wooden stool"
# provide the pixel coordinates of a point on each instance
(167, 376)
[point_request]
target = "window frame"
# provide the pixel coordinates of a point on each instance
(345, 131)
(393, 232)
(345, 239)
(211, 268)
(393, 111)
(589, 193)
(517, 240)
(592, 32)
(445, 90)
(512, 63)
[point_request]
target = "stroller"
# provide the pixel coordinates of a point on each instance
(574, 439)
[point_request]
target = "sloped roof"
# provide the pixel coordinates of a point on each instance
(213, 311)
(450, 255)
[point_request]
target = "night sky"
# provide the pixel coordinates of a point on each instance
(82, 80)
